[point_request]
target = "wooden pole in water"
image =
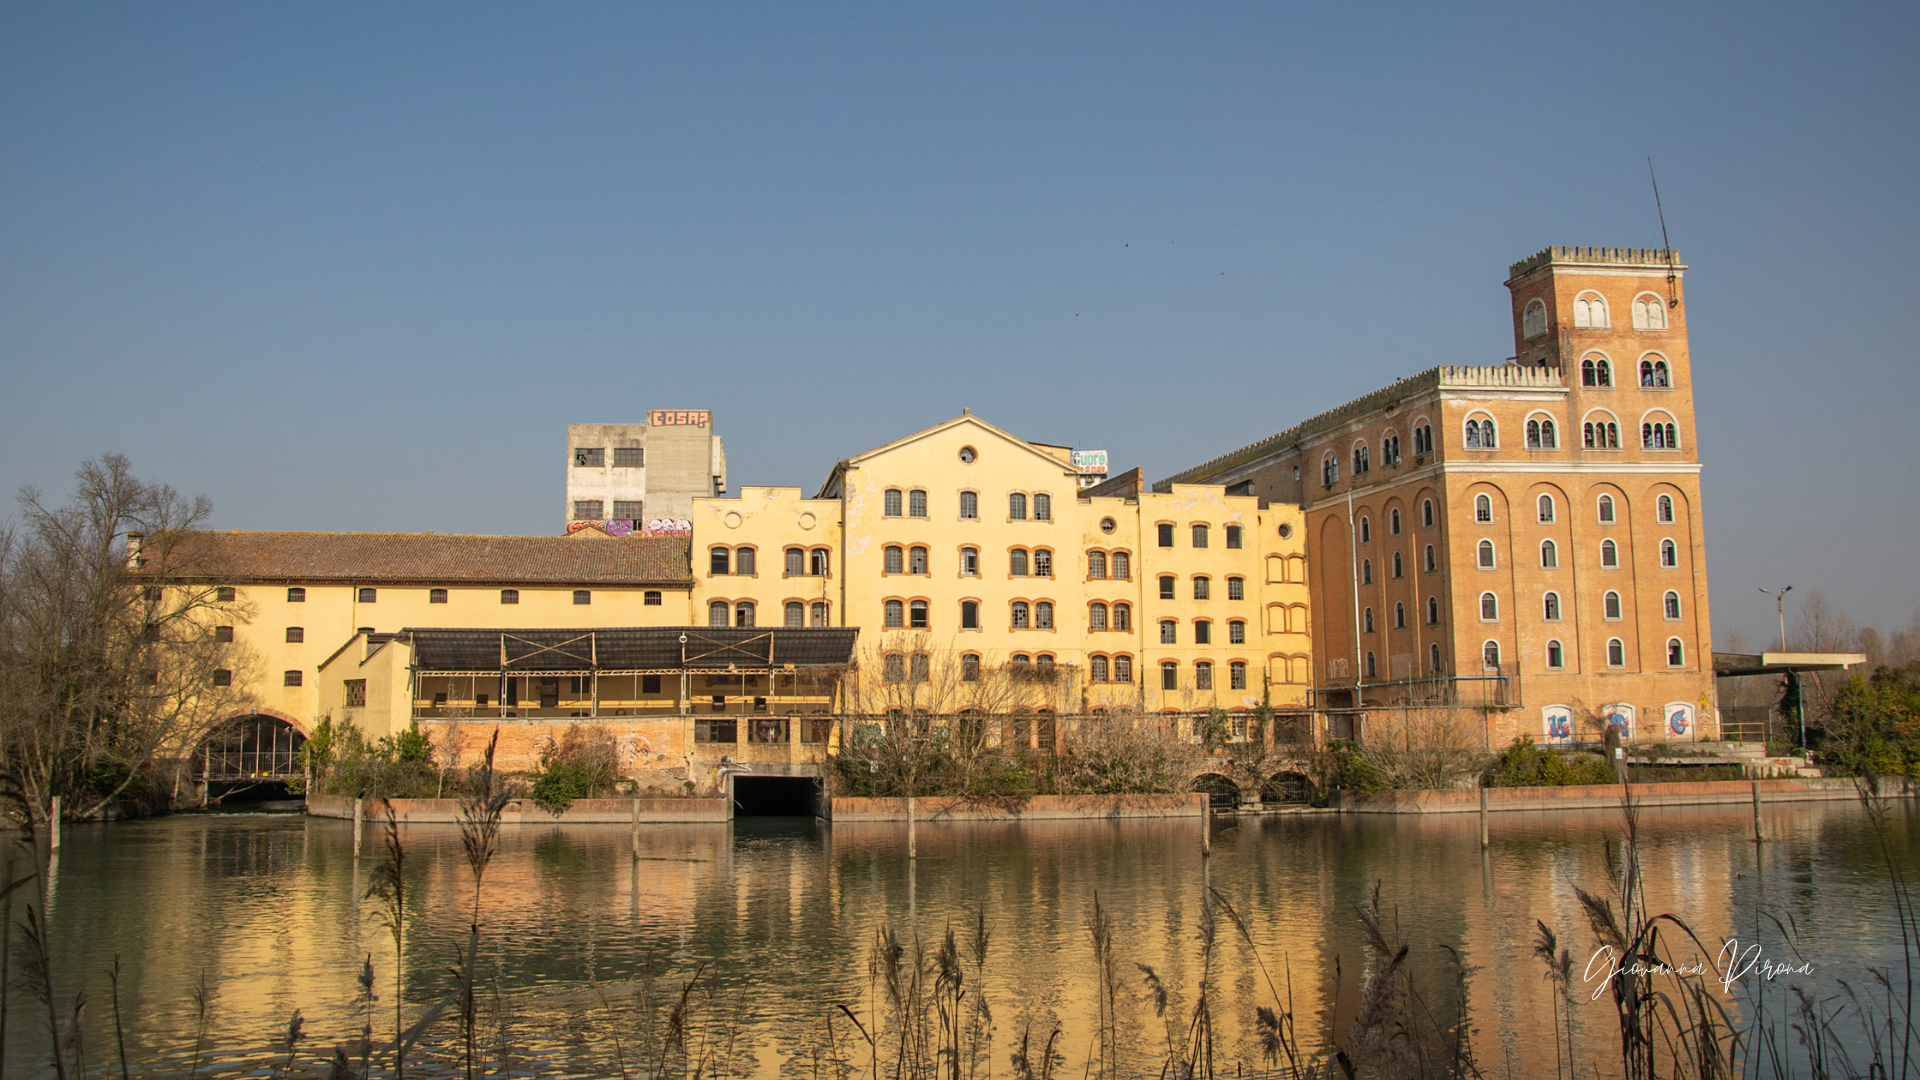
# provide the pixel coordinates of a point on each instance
(1206, 828)
(1483, 817)
(358, 816)
(633, 841)
(913, 840)
(53, 824)
(1756, 812)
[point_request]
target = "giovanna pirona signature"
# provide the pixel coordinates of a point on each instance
(1733, 963)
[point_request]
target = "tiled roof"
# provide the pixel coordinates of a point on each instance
(433, 558)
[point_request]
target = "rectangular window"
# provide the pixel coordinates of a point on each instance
(719, 560)
(368, 596)
(224, 594)
(1122, 617)
(1236, 588)
(291, 678)
(436, 596)
(296, 596)
(1203, 633)
(652, 598)
(1203, 676)
(509, 596)
(1237, 675)
(1236, 633)
(1167, 586)
(583, 596)
(356, 693)
(649, 684)
(1017, 507)
(296, 635)
(1166, 535)
(1169, 632)
(796, 562)
(969, 562)
(890, 502)
(1043, 507)
(589, 457)
(223, 677)
(220, 633)
(969, 506)
(743, 562)
(1122, 669)
(629, 457)
(1202, 588)
(628, 510)
(917, 504)
(818, 562)
(588, 509)
(1043, 563)
(818, 613)
(1169, 676)
(1199, 536)
(1233, 536)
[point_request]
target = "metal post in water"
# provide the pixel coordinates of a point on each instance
(1483, 817)
(1756, 812)
(53, 824)
(358, 802)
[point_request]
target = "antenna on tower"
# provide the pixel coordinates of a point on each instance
(1673, 277)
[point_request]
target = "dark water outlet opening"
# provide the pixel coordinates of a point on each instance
(775, 796)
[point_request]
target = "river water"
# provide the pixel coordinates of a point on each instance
(583, 945)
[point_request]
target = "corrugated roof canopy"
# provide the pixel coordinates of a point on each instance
(649, 648)
(432, 558)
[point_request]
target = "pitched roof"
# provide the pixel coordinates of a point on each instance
(433, 558)
(827, 490)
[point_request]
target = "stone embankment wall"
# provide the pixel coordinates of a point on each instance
(1601, 796)
(1035, 808)
(525, 812)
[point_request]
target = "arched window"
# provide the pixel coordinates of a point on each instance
(1672, 604)
(916, 560)
(1609, 555)
(1545, 504)
(1426, 513)
(1122, 617)
(1373, 670)
(719, 560)
(893, 559)
(1097, 617)
(1669, 554)
(1043, 615)
(1616, 653)
(1119, 566)
(894, 670)
(1540, 434)
(1483, 508)
(1366, 530)
(1366, 620)
(1589, 312)
(1606, 509)
(969, 562)
(1654, 375)
(1017, 562)
(1490, 655)
(1600, 432)
(1649, 313)
(1433, 561)
(1433, 659)
(1393, 521)
(1398, 571)
(743, 614)
(1663, 510)
(1017, 506)
(1123, 669)
(1423, 438)
(917, 503)
(1556, 657)
(1360, 462)
(969, 614)
(1610, 606)
(1486, 554)
(1481, 435)
(819, 613)
(1366, 571)
(1549, 555)
(1550, 607)
(895, 613)
(917, 615)
(1097, 669)
(1433, 611)
(1676, 653)
(1042, 507)
(1399, 615)
(1533, 320)
(1330, 470)
(717, 613)
(796, 614)
(1021, 614)
(1390, 449)
(969, 667)
(970, 506)
(1489, 607)
(1660, 435)
(1096, 565)
(891, 502)
(1596, 371)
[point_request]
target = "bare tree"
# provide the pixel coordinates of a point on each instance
(109, 645)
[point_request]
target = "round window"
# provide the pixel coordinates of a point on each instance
(966, 455)
(1106, 525)
(1286, 530)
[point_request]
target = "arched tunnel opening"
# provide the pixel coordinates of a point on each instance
(776, 796)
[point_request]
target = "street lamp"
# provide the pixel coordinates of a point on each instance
(1780, 601)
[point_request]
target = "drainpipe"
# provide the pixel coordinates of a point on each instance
(1353, 568)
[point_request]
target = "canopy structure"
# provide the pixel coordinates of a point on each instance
(1729, 665)
(631, 650)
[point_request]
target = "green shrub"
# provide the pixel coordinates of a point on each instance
(1525, 765)
(345, 762)
(584, 764)
(1874, 725)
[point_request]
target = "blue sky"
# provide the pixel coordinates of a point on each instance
(356, 267)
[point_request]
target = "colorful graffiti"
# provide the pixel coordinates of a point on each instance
(649, 527)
